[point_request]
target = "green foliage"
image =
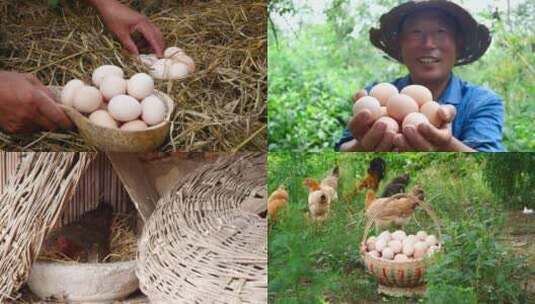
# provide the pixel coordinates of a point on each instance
(476, 263)
(312, 263)
(53, 3)
(512, 177)
(447, 294)
(314, 71)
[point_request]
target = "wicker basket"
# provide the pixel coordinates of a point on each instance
(399, 278)
(115, 140)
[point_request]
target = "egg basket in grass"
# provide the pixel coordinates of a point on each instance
(399, 261)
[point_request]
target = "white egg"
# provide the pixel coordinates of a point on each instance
(140, 86)
(401, 258)
(148, 59)
(399, 235)
(420, 249)
(431, 240)
(383, 91)
(408, 249)
(68, 91)
(419, 93)
(369, 103)
(134, 125)
(421, 235)
(399, 105)
(172, 51)
(106, 70)
(178, 70)
(430, 110)
(103, 118)
(185, 59)
(384, 112)
(380, 245)
(411, 239)
(161, 68)
(388, 253)
(370, 243)
(395, 245)
(414, 119)
(87, 99)
(124, 108)
(153, 110)
(111, 86)
(375, 253)
(385, 235)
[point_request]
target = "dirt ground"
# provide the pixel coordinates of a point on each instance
(521, 236)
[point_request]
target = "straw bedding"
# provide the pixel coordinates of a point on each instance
(221, 107)
(29, 206)
(199, 246)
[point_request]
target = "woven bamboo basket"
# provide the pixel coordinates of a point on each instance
(115, 140)
(399, 278)
(202, 245)
(43, 191)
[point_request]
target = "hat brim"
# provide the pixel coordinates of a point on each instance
(476, 36)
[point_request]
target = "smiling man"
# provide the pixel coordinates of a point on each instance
(430, 38)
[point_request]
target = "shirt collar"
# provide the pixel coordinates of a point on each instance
(451, 95)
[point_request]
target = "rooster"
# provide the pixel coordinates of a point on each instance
(85, 240)
(277, 200)
(397, 185)
(395, 210)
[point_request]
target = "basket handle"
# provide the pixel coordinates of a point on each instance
(427, 208)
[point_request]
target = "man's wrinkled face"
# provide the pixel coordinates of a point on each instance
(429, 46)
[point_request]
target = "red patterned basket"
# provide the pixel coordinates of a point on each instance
(399, 278)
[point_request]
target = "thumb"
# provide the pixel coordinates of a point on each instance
(359, 95)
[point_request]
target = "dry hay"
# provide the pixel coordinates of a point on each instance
(123, 243)
(221, 107)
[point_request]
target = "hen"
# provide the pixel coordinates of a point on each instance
(395, 210)
(329, 184)
(277, 200)
(376, 172)
(319, 205)
(85, 240)
(397, 185)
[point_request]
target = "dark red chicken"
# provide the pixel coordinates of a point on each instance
(86, 240)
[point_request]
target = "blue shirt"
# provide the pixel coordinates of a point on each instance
(479, 120)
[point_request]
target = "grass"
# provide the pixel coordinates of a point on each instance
(312, 263)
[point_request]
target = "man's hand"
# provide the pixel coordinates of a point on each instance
(26, 105)
(123, 21)
(427, 137)
(368, 135)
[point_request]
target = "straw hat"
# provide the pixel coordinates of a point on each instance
(476, 36)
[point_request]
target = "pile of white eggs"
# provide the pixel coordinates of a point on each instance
(400, 247)
(412, 106)
(115, 102)
(176, 64)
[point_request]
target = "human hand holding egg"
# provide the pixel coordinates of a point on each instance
(379, 118)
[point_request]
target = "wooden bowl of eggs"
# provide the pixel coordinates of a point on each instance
(117, 114)
(413, 105)
(398, 260)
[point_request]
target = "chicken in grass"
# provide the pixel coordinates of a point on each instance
(397, 185)
(329, 184)
(395, 210)
(85, 240)
(376, 172)
(319, 204)
(277, 200)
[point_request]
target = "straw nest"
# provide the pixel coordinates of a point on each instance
(221, 107)
(123, 243)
